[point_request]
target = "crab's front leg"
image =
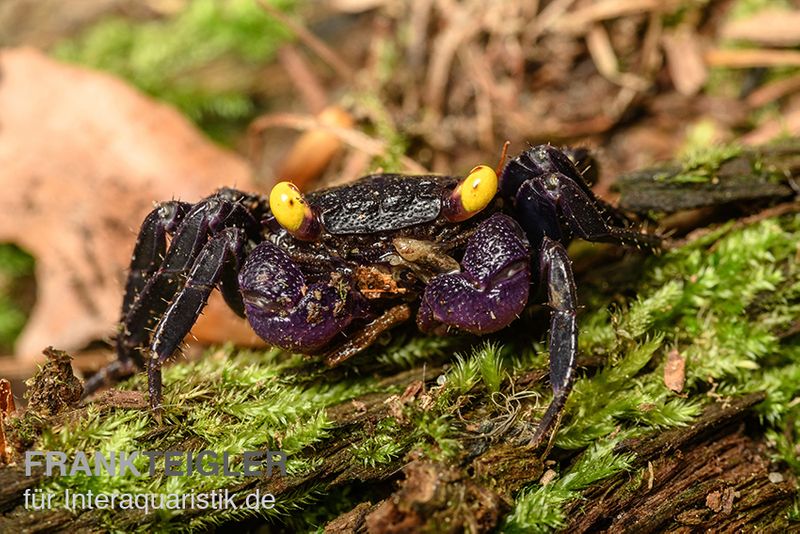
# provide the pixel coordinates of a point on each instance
(287, 310)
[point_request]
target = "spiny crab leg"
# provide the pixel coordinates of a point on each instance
(556, 276)
(222, 253)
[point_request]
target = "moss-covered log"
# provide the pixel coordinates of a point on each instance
(714, 176)
(684, 415)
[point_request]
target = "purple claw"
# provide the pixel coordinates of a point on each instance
(286, 312)
(491, 291)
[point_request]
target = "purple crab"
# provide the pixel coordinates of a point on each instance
(328, 272)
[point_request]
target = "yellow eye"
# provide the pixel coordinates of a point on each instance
(288, 206)
(478, 189)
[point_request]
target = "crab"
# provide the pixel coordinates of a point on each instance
(328, 272)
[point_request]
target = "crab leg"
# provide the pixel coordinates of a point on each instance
(207, 217)
(547, 189)
(148, 253)
(368, 335)
(556, 275)
(151, 287)
(151, 245)
(587, 222)
(222, 254)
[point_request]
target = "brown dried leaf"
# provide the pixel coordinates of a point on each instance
(83, 156)
(771, 27)
(675, 371)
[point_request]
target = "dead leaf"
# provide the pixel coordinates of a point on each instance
(83, 156)
(675, 371)
(771, 27)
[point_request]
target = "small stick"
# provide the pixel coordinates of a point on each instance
(314, 43)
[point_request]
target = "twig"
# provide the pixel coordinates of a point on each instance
(773, 91)
(312, 41)
(580, 20)
(744, 59)
(303, 78)
(460, 27)
(354, 138)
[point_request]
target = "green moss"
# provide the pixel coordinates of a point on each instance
(539, 509)
(701, 159)
(436, 436)
(224, 402)
(384, 445)
(721, 302)
(205, 59)
(491, 367)
(16, 273)
(405, 352)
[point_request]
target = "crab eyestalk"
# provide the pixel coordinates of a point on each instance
(471, 195)
(293, 212)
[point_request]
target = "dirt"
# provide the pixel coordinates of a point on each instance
(424, 503)
(54, 389)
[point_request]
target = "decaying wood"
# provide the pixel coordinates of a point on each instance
(712, 475)
(765, 174)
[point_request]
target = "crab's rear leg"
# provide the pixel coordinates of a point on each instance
(220, 257)
(206, 218)
(556, 276)
(150, 248)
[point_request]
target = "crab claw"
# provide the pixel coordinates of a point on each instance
(285, 310)
(492, 289)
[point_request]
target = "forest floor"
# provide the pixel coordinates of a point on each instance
(684, 415)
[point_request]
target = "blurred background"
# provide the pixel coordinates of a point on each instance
(109, 105)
